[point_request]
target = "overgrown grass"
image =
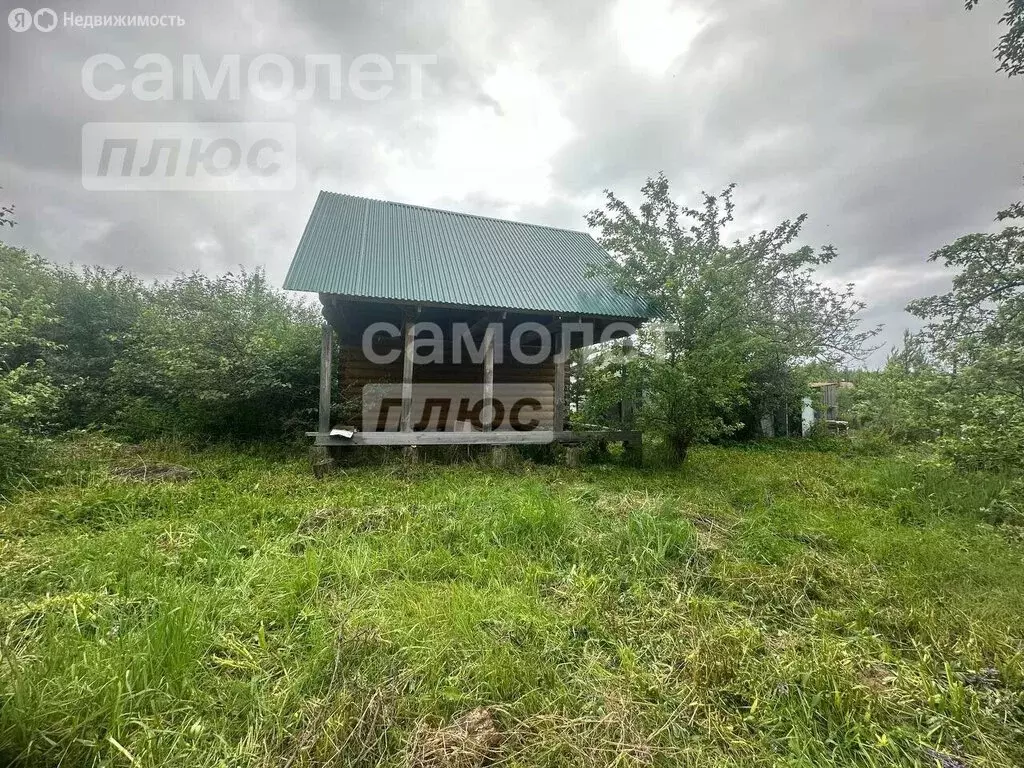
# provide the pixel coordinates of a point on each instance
(761, 606)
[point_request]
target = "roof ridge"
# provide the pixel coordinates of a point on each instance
(457, 213)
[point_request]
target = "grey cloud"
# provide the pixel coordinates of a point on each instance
(885, 122)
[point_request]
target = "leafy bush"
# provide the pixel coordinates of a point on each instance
(96, 311)
(199, 357)
(902, 402)
(225, 357)
(27, 394)
(984, 412)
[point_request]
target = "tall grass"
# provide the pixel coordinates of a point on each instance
(757, 607)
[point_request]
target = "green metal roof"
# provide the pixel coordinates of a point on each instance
(355, 246)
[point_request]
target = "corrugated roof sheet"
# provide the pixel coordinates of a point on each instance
(355, 246)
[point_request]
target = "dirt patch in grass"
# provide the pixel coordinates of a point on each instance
(361, 520)
(943, 760)
(469, 741)
(983, 679)
(630, 503)
(155, 473)
(319, 520)
(876, 679)
(712, 532)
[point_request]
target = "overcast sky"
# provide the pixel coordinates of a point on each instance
(883, 120)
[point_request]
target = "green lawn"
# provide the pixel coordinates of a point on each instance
(758, 607)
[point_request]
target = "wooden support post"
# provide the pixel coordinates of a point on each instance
(409, 351)
(326, 351)
(501, 456)
(572, 456)
(407, 364)
(487, 414)
(558, 345)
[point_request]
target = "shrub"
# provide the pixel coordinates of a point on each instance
(26, 392)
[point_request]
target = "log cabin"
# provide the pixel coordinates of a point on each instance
(453, 329)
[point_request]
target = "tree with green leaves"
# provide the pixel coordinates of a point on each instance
(975, 336)
(985, 307)
(970, 388)
(727, 311)
(966, 385)
(6, 216)
(1010, 49)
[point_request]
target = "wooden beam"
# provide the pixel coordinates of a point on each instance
(334, 313)
(407, 364)
(559, 421)
(482, 323)
(326, 368)
(498, 437)
(488, 409)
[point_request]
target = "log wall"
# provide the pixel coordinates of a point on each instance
(355, 372)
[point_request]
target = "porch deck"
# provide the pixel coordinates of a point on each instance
(535, 437)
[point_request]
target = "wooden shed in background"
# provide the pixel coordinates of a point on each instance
(377, 264)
